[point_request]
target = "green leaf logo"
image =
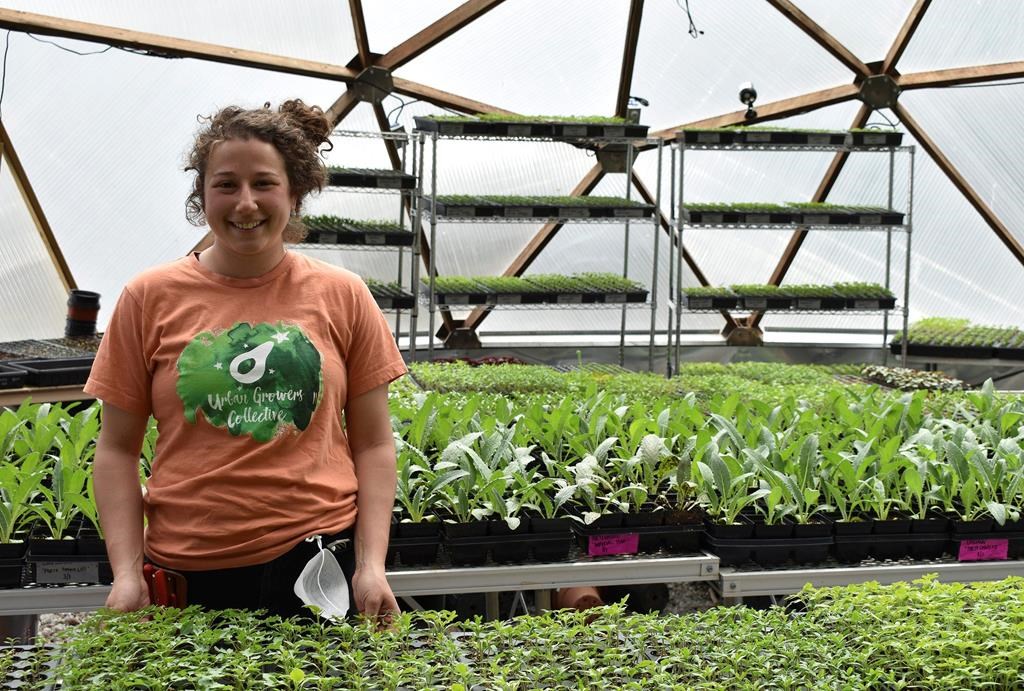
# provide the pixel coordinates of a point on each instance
(255, 380)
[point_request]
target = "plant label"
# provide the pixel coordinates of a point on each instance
(758, 218)
(755, 303)
(570, 212)
(865, 304)
(984, 550)
(712, 218)
(808, 303)
(874, 139)
(698, 303)
(871, 220)
(389, 182)
(819, 139)
(633, 213)
(816, 219)
(574, 131)
(70, 572)
(615, 297)
(605, 545)
(758, 137)
(707, 137)
(520, 130)
(512, 299)
(567, 298)
(519, 211)
(375, 238)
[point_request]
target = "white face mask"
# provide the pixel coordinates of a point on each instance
(322, 583)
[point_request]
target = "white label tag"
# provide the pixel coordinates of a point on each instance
(711, 218)
(519, 130)
(872, 220)
(568, 298)
(865, 304)
(518, 211)
(67, 572)
(808, 303)
(757, 218)
(816, 219)
(754, 137)
(375, 238)
(874, 139)
(707, 137)
(630, 213)
(817, 139)
(615, 297)
(389, 182)
(574, 130)
(574, 212)
(698, 303)
(755, 303)
(509, 299)
(456, 299)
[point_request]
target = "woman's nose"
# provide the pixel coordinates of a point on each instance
(245, 198)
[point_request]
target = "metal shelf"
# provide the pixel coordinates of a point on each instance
(834, 227)
(349, 189)
(741, 582)
(338, 245)
(790, 312)
(544, 219)
(41, 394)
(542, 305)
(413, 582)
(637, 141)
(790, 147)
(613, 571)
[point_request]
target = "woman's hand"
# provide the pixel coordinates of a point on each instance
(372, 594)
(128, 594)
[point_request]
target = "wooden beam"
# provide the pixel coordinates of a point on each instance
(429, 37)
(538, 242)
(205, 243)
(826, 40)
(772, 111)
(166, 46)
(666, 225)
(636, 13)
(962, 75)
(359, 28)
(444, 98)
(35, 210)
(342, 107)
(820, 195)
(960, 182)
(903, 37)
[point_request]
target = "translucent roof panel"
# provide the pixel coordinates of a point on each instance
(320, 31)
(959, 34)
(871, 33)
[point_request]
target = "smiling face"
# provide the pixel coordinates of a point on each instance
(247, 200)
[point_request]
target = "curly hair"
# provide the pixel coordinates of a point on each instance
(296, 130)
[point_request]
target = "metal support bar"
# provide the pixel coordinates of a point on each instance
(625, 250)
(906, 271)
(654, 263)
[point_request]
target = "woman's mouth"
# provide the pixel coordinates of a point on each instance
(246, 226)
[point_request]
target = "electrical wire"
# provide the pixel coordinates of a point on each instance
(982, 86)
(3, 76)
(693, 30)
(889, 122)
(70, 50)
(401, 106)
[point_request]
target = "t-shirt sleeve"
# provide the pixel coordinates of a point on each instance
(120, 374)
(373, 357)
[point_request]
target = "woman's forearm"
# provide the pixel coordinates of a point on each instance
(119, 500)
(376, 474)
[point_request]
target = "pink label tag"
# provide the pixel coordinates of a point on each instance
(982, 550)
(604, 545)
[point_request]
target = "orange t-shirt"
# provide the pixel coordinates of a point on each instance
(248, 379)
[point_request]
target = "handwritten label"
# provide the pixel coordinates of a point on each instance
(520, 130)
(72, 572)
(983, 550)
(605, 545)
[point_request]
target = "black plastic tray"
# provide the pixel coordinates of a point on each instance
(12, 377)
(55, 372)
(801, 550)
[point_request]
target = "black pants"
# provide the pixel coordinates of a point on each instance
(268, 586)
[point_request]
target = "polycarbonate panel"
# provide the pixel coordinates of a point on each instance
(319, 30)
(391, 22)
(107, 165)
(32, 295)
(960, 34)
(866, 28)
(532, 56)
(688, 79)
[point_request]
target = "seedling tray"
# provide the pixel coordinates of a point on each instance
(503, 549)
(813, 217)
(766, 303)
(58, 372)
(370, 177)
(709, 303)
(670, 538)
(484, 209)
(856, 548)
(942, 351)
(29, 669)
(530, 129)
(870, 303)
(11, 573)
(413, 551)
(12, 377)
(769, 552)
(829, 303)
(350, 235)
(785, 138)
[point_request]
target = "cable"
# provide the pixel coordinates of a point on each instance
(981, 86)
(693, 30)
(401, 105)
(3, 77)
(889, 122)
(70, 50)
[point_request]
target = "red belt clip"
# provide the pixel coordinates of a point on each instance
(166, 588)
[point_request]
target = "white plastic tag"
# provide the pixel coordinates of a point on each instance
(322, 584)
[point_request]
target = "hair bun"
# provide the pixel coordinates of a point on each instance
(310, 119)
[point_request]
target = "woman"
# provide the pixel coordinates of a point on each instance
(267, 373)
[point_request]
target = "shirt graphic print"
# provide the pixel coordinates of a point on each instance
(260, 380)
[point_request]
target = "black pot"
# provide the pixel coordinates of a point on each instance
(932, 525)
(509, 545)
(553, 538)
(730, 531)
(896, 525)
(813, 529)
(466, 542)
(981, 525)
(772, 531)
(11, 551)
(852, 527)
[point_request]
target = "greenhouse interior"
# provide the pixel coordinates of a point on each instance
(435, 355)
